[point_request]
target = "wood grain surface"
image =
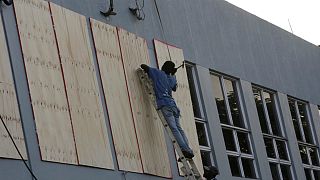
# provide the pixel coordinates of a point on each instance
(89, 122)
(45, 81)
(149, 129)
(116, 94)
(9, 110)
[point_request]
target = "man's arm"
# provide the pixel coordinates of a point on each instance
(174, 84)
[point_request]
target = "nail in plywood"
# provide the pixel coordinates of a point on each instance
(148, 125)
(182, 96)
(45, 81)
(114, 85)
(90, 130)
(9, 107)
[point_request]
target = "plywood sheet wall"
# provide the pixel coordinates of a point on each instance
(45, 81)
(8, 106)
(149, 128)
(90, 130)
(182, 96)
(116, 94)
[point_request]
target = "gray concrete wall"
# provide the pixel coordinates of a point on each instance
(214, 35)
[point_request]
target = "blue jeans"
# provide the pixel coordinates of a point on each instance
(172, 114)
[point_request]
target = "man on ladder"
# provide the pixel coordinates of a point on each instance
(164, 82)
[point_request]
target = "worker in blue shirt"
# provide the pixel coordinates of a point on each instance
(164, 82)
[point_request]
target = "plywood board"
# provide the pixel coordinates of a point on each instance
(182, 96)
(116, 94)
(90, 130)
(8, 106)
(47, 91)
(148, 126)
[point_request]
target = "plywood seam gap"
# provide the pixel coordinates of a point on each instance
(125, 76)
(103, 94)
(64, 82)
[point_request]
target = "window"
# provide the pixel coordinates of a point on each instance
(309, 151)
(274, 140)
(201, 123)
(235, 133)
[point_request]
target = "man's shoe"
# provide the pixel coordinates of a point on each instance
(187, 154)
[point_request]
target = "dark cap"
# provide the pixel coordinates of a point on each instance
(168, 67)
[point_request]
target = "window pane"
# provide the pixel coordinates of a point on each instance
(286, 172)
(314, 156)
(274, 171)
(282, 150)
(206, 158)
(316, 174)
(308, 174)
(194, 99)
(295, 120)
(229, 139)
(304, 154)
(259, 105)
(234, 166)
(270, 103)
(269, 147)
(244, 142)
(305, 123)
(202, 136)
(233, 103)
(218, 95)
(248, 168)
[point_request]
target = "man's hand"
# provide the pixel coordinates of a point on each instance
(145, 68)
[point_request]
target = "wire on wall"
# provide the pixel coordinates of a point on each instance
(15, 145)
(138, 10)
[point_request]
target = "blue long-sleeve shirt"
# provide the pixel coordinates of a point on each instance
(163, 85)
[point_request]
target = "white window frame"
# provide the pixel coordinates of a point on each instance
(238, 154)
(272, 136)
(309, 166)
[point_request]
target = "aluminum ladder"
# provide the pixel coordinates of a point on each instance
(189, 168)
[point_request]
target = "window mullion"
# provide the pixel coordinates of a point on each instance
(308, 119)
(278, 112)
(226, 100)
(200, 103)
(299, 121)
(309, 156)
(265, 110)
(240, 105)
(207, 135)
(279, 171)
(275, 148)
(241, 166)
(235, 136)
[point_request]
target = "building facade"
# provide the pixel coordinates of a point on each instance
(253, 86)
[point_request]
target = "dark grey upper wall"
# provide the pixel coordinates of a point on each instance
(217, 35)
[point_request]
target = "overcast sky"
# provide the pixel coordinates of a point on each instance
(304, 15)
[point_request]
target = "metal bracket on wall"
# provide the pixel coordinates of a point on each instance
(138, 11)
(110, 11)
(7, 2)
